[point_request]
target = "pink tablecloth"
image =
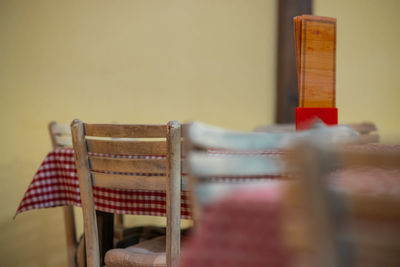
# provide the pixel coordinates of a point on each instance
(56, 184)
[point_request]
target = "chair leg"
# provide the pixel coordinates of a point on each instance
(118, 227)
(105, 225)
(70, 234)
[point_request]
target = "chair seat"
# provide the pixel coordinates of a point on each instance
(145, 254)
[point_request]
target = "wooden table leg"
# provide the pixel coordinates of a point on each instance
(70, 234)
(105, 225)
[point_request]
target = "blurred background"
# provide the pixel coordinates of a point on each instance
(131, 61)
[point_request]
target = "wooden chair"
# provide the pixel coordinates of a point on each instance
(242, 154)
(60, 135)
(344, 227)
(91, 139)
(367, 131)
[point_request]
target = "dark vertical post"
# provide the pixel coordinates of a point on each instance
(287, 93)
(105, 225)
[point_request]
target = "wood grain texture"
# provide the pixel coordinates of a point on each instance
(126, 130)
(86, 191)
(128, 165)
(119, 181)
(173, 193)
(127, 147)
(316, 60)
(70, 234)
(310, 168)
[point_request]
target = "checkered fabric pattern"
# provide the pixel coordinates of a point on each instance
(56, 184)
(241, 229)
(245, 228)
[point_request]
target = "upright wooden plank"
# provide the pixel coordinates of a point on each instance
(287, 92)
(173, 193)
(126, 130)
(85, 185)
(118, 226)
(127, 147)
(70, 234)
(312, 168)
(105, 223)
(317, 62)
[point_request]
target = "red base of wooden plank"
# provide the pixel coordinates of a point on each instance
(305, 117)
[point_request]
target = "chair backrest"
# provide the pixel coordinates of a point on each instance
(145, 157)
(367, 131)
(60, 135)
(348, 225)
(215, 154)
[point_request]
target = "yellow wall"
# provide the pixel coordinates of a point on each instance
(150, 61)
(368, 58)
(120, 61)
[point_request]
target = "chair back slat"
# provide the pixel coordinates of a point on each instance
(204, 165)
(206, 136)
(126, 131)
(136, 182)
(128, 165)
(377, 208)
(372, 159)
(127, 147)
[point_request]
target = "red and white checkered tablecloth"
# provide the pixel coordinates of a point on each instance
(244, 228)
(56, 184)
